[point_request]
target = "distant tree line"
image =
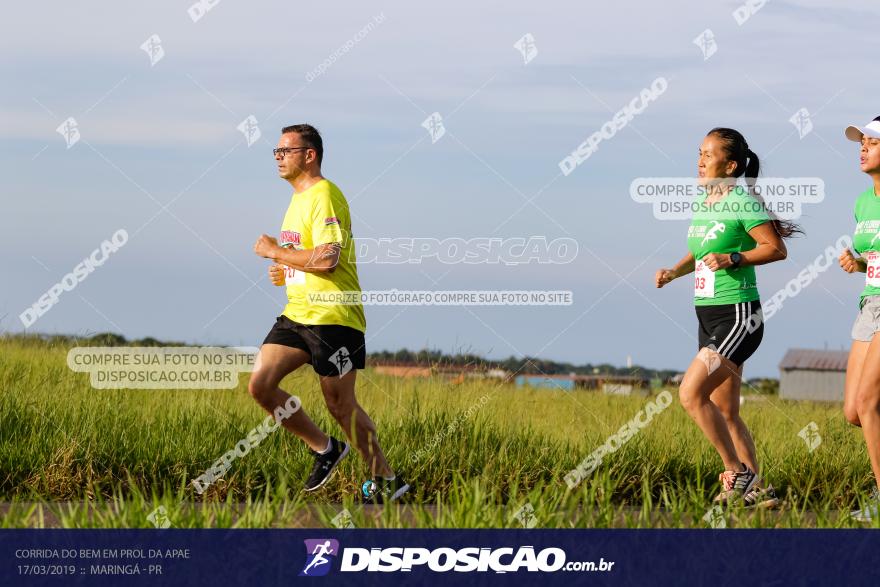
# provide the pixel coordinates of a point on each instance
(89, 339)
(514, 364)
(423, 357)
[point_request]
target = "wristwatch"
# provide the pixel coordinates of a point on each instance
(735, 260)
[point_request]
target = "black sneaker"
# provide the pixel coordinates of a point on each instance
(325, 464)
(377, 491)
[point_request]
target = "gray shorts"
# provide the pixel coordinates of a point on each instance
(868, 320)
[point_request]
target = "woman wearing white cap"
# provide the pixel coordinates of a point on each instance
(861, 404)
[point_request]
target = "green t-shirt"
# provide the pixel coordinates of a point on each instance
(866, 240)
(723, 227)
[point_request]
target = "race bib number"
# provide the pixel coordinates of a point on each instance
(704, 281)
(872, 273)
(293, 277)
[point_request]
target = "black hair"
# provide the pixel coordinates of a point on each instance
(747, 164)
(310, 136)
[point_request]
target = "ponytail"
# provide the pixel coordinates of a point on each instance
(748, 165)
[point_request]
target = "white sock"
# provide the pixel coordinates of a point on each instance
(392, 478)
(329, 446)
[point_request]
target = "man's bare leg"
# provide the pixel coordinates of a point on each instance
(357, 425)
(273, 363)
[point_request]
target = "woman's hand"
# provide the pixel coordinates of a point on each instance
(716, 261)
(849, 263)
(663, 277)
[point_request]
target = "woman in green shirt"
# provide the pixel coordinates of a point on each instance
(861, 404)
(730, 233)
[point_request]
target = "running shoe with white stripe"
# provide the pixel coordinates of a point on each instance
(735, 484)
(868, 513)
(761, 498)
(325, 464)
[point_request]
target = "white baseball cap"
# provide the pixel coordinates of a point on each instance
(872, 129)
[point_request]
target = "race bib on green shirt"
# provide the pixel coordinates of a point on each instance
(723, 227)
(866, 239)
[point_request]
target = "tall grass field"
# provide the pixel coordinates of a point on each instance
(479, 454)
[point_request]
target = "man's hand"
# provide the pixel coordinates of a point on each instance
(716, 261)
(663, 277)
(266, 246)
(849, 263)
(276, 274)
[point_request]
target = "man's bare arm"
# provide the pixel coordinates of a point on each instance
(321, 259)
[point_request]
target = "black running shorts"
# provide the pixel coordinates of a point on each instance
(335, 350)
(733, 330)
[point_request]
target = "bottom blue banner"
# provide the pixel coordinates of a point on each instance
(437, 557)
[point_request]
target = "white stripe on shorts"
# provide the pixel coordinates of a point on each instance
(738, 332)
(747, 315)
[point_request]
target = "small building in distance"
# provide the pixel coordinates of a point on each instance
(814, 375)
(610, 384)
(454, 373)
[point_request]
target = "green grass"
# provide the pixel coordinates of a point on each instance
(476, 452)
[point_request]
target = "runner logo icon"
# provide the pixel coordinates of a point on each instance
(711, 234)
(318, 556)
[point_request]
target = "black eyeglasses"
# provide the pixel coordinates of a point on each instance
(285, 150)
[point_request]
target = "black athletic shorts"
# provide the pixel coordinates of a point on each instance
(335, 350)
(733, 330)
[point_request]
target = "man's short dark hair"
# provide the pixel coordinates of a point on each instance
(310, 137)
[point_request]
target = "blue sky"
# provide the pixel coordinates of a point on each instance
(151, 135)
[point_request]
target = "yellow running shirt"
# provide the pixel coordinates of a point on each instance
(317, 216)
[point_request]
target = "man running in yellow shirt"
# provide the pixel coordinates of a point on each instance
(314, 258)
